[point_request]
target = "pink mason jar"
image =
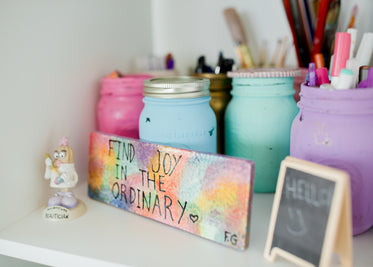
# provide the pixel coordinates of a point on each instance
(335, 128)
(120, 105)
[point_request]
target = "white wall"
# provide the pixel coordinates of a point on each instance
(52, 56)
(191, 28)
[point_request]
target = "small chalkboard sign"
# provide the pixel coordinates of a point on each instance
(311, 215)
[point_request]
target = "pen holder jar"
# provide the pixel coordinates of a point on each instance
(335, 128)
(177, 113)
(258, 121)
(220, 88)
(120, 105)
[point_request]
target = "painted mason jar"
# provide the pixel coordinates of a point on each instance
(220, 88)
(120, 105)
(258, 121)
(335, 128)
(177, 113)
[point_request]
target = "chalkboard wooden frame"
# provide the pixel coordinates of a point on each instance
(338, 232)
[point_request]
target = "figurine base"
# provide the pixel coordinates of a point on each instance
(60, 214)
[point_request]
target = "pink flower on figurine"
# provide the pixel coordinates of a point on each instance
(64, 141)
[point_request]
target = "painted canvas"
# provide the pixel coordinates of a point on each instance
(208, 195)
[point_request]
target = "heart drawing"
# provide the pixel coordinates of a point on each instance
(193, 217)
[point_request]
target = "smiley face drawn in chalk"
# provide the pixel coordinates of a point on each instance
(321, 137)
(297, 226)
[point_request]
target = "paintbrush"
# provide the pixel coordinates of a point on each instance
(238, 34)
(353, 17)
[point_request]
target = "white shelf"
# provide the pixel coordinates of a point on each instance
(108, 236)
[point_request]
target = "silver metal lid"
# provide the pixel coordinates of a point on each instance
(177, 87)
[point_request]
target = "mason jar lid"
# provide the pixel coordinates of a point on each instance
(265, 73)
(176, 87)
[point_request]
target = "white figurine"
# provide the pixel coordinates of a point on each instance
(62, 175)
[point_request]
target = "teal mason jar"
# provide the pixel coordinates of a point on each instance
(258, 121)
(177, 113)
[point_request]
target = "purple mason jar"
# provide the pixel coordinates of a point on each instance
(335, 128)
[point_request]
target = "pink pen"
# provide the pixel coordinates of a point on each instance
(341, 54)
(322, 76)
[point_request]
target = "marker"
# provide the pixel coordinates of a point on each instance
(364, 53)
(312, 77)
(341, 54)
(353, 33)
(352, 65)
(322, 76)
(368, 82)
(345, 80)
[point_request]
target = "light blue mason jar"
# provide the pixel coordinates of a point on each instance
(177, 113)
(258, 121)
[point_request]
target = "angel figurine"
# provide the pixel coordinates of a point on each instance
(62, 175)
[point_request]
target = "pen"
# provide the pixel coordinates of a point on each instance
(312, 77)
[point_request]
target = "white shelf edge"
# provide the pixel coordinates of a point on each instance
(51, 257)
